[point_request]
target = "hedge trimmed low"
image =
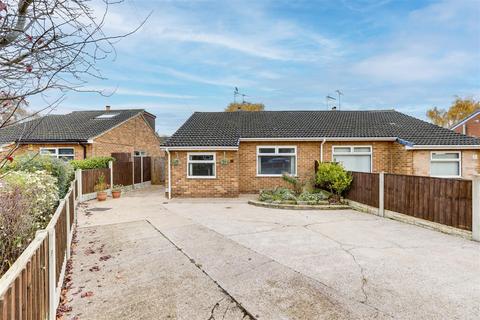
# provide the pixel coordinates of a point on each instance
(92, 163)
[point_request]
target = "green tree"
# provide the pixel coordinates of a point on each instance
(459, 109)
(245, 106)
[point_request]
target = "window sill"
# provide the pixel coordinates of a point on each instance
(201, 177)
(272, 176)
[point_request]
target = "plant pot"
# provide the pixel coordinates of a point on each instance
(116, 194)
(101, 195)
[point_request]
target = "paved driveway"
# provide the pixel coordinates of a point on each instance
(225, 259)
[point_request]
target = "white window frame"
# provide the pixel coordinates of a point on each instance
(352, 153)
(214, 161)
(459, 160)
(276, 147)
(57, 154)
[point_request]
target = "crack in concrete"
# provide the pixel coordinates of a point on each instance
(246, 313)
(215, 306)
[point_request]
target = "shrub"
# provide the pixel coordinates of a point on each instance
(278, 194)
(61, 170)
(101, 185)
(92, 163)
(40, 191)
(313, 197)
(333, 177)
(16, 227)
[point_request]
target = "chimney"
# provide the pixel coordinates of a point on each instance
(107, 108)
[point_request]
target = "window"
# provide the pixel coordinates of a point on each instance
(139, 153)
(276, 160)
(107, 116)
(201, 165)
(66, 154)
(445, 164)
(353, 158)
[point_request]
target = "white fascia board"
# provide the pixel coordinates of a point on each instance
(473, 115)
(210, 148)
(321, 139)
(442, 147)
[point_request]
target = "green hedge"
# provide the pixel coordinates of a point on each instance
(92, 163)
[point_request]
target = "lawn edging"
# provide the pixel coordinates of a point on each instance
(299, 206)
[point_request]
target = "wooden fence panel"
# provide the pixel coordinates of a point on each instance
(147, 169)
(138, 169)
(27, 296)
(445, 201)
(122, 173)
(158, 170)
(364, 188)
(71, 204)
(60, 242)
(90, 179)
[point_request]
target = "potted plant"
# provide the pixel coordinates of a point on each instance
(117, 191)
(100, 188)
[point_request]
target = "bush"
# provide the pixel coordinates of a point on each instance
(278, 194)
(16, 226)
(61, 170)
(333, 177)
(40, 191)
(313, 197)
(92, 163)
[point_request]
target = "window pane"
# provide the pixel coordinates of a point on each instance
(266, 150)
(441, 156)
(276, 164)
(48, 151)
(445, 168)
(201, 170)
(286, 150)
(201, 157)
(341, 149)
(65, 151)
(361, 149)
(354, 162)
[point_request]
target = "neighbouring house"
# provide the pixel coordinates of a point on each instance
(469, 126)
(223, 154)
(84, 134)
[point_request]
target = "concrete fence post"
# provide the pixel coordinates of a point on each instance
(141, 169)
(381, 194)
(69, 229)
(110, 166)
(52, 314)
(476, 208)
(79, 184)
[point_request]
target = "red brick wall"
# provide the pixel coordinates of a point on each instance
(471, 127)
(35, 148)
(225, 184)
(133, 135)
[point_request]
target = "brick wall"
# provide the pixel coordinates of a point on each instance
(242, 177)
(35, 148)
(469, 160)
(224, 185)
(471, 127)
(133, 135)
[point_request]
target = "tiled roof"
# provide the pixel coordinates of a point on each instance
(78, 126)
(226, 128)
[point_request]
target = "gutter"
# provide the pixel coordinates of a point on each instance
(442, 147)
(194, 148)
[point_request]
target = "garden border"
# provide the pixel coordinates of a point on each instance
(299, 206)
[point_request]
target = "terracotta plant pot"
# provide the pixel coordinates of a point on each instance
(101, 195)
(116, 194)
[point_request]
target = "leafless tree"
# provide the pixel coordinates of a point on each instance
(48, 45)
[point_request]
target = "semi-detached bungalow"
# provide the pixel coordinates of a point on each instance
(223, 154)
(84, 134)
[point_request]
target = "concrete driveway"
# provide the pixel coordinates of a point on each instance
(146, 257)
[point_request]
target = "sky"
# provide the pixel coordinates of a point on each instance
(289, 55)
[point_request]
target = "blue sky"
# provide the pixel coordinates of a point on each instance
(406, 55)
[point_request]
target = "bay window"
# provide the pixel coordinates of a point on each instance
(276, 160)
(201, 165)
(353, 158)
(445, 164)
